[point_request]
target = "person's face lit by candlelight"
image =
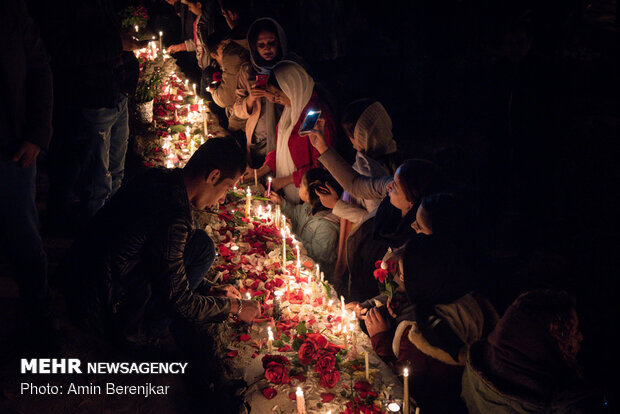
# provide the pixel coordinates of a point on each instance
(267, 45)
(398, 197)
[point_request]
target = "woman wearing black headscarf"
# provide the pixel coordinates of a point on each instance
(390, 224)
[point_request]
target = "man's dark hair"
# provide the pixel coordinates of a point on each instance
(352, 113)
(315, 178)
(222, 154)
(214, 40)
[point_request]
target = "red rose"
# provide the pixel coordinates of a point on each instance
(269, 392)
(326, 397)
(279, 359)
(319, 340)
(329, 378)
(380, 275)
(326, 362)
(276, 373)
(308, 351)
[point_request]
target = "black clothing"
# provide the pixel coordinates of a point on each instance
(26, 97)
(129, 262)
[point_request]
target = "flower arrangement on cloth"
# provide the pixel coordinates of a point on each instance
(317, 350)
(134, 16)
(384, 274)
(152, 73)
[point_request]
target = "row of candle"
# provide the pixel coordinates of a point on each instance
(345, 328)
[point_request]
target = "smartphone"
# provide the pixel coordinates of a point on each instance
(261, 81)
(308, 125)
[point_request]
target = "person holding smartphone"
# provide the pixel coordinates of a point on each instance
(292, 87)
(268, 46)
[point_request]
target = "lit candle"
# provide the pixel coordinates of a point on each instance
(317, 275)
(298, 267)
(248, 203)
(342, 308)
(283, 221)
(187, 133)
(301, 403)
(276, 303)
(344, 336)
(269, 340)
(160, 35)
(353, 337)
(248, 296)
(194, 88)
(283, 249)
(204, 123)
(137, 28)
(322, 277)
(268, 186)
(192, 146)
(330, 303)
(269, 212)
(406, 391)
(260, 212)
(417, 410)
(367, 366)
(255, 178)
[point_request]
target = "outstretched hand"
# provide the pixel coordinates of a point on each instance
(375, 323)
(274, 197)
(317, 137)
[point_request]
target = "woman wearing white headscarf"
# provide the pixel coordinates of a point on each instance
(294, 154)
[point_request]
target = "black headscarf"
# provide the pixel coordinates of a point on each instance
(418, 178)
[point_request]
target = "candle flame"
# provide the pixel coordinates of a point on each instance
(299, 392)
(406, 372)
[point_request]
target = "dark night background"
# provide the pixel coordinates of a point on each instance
(516, 99)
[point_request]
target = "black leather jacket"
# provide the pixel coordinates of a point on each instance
(128, 267)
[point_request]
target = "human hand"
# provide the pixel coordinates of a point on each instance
(330, 198)
(317, 139)
(250, 310)
(176, 48)
(359, 311)
(390, 309)
(27, 154)
(274, 197)
(375, 323)
(248, 174)
(228, 291)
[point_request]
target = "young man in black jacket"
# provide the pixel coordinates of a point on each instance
(141, 263)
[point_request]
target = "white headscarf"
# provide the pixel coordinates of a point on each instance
(298, 86)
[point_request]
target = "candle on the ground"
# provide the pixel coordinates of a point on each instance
(353, 337)
(204, 123)
(322, 277)
(330, 303)
(317, 274)
(269, 340)
(194, 88)
(137, 28)
(248, 296)
(283, 249)
(248, 203)
(406, 391)
(268, 186)
(298, 267)
(260, 212)
(342, 308)
(301, 403)
(367, 366)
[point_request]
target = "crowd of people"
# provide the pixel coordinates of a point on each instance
(138, 268)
